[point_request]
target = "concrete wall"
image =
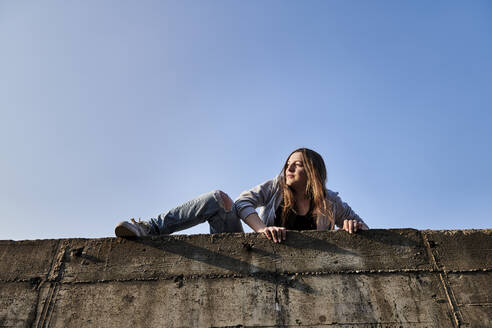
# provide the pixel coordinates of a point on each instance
(376, 278)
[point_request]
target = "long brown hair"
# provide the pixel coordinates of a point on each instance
(315, 168)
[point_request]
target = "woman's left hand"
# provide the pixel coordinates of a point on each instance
(352, 226)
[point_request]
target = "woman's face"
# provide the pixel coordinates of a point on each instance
(295, 174)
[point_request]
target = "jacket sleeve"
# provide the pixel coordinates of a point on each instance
(342, 210)
(249, 200)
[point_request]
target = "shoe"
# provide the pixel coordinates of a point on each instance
(132, 229)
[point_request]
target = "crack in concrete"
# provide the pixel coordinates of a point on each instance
(340, 324)
(484, 304)
(254, 275)
(49, 304)
(445, 284)
(56, 269)
(41, 283)
(279, 318)
(261, 274)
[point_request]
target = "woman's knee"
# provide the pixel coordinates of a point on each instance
(224, 200)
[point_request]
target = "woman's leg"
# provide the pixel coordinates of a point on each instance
(228, 220)
(216, 207)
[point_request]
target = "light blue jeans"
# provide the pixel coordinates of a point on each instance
(207, 207)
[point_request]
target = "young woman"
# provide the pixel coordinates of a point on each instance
(296, 199)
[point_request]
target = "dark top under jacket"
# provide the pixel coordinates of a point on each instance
(295, 222)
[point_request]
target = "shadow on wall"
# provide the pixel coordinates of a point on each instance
(267, 251)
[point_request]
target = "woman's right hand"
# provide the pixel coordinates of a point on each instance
(275, 234)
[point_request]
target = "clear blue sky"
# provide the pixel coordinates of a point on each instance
(119, 109)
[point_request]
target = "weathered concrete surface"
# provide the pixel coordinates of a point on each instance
(376, 278)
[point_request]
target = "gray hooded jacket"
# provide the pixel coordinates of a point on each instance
(268, 196)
